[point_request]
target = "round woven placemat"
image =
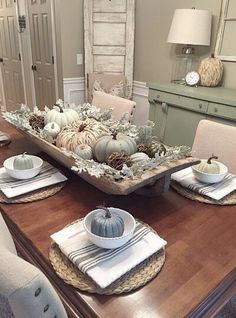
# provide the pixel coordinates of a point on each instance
(228, 200)
(33, 196)
(135, 278)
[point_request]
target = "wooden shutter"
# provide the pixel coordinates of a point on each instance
(109, 38)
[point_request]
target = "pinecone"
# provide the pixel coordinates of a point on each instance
(156, 148)
(36, 122)
(117, 159)
(143, 148)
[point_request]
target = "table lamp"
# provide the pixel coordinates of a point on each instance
(189, 27)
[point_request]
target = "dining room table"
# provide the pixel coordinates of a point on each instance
(199, 273)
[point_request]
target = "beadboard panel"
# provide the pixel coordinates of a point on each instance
(74, 92)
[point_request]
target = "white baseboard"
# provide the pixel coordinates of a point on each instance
(140, 96)
(74, 92)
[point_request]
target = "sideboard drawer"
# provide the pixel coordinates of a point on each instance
(197, 105)
(219, 110)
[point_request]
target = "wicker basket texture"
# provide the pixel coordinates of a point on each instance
(211, 71)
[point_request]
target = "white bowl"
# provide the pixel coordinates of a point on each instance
(25, 173)
(111, 242)
(210, 177)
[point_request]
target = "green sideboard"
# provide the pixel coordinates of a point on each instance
(177, 109)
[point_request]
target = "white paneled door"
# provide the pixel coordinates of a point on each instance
(109, 37)
(42, 51)
(10, 59)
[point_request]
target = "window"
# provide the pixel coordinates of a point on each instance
(225, 43)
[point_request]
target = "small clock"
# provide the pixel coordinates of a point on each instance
(192, 78)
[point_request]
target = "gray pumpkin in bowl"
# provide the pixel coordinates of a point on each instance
(23, 162)
(107, 224)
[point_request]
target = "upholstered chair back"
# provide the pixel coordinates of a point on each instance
(120, 105)
(212, 137)
(6, 240)
(25, 292)
(113, 84)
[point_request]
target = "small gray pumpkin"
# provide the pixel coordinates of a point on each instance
(84, 151)
(107, 224)
(23, 162)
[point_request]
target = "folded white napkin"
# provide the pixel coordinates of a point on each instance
(12, 187)
(3, 136)
(102, 265)
(215, 191)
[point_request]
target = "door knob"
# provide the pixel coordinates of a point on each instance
(34, 67)
(1, 60)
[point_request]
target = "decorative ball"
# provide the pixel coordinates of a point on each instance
(107, 224)
(142, 148)
(106, 145)
(156, 148)
(84, 151)
(211, 71)
(52, 129)
(36, 122)
(80, 132)
(117, 159)
(23, 162)
(209, 166)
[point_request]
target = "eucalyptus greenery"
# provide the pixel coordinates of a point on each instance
(142, 134)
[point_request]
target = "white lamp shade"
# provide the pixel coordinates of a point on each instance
(190, 26)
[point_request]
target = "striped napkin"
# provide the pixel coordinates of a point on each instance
(215, 191)
(12, 187)
(104, 266)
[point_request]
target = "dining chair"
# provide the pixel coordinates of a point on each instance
(24, 289)
(114, 84)
(218, 139)
(120, 105)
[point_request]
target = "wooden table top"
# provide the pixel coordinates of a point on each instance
(197, 278)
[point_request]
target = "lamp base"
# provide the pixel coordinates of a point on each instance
(183, 64)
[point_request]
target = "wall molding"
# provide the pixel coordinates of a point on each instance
(140, 96)
(140, 89)
(74, 92)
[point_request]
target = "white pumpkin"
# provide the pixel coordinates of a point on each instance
(138, 157)
(23, 162)
(52, 129)
(106, 145)
(84, 151)
(84, 132)
(61, 116)
(207, 166)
